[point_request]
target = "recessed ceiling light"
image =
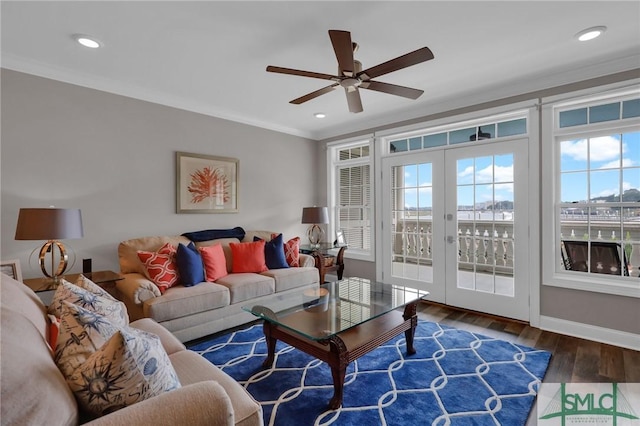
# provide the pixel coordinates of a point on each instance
(319, 115)
(87, 41)
(590, 33)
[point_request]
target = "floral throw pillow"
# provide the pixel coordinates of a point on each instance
(161, 266)
(94, 288)
(81, 333)
(131, 367)
(114, 310)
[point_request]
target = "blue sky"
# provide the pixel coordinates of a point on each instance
(598, 161)
(493, 182)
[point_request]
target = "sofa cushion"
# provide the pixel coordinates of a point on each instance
(114, 310)
(128, 251)
(160, 266)
(180, 301)
(33, 389)
(274, 253)
(190, 267)
(224, 242)
(131, 367)
(247, 286)
(286, 279)
(82, 332)
(215, 264)
(248, 257)
(193, 368)
(263, 235)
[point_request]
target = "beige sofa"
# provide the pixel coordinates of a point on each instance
(34, 391)
(206, 308)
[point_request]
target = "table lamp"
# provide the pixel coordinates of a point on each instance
(315, 216)
(50, 224)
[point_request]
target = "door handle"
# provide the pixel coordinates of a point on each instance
(450, 239)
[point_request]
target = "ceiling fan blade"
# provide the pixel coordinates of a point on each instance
(313, 95)
(341, 41)
(392, 89)
(353, 99)
(311, 74)
(404, 61)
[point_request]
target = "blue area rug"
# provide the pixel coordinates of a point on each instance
(455, 378)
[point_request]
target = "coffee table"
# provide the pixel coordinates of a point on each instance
(339, 322)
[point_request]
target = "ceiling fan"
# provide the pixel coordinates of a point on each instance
(352, 77)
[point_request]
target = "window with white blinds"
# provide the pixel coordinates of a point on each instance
(353, 206)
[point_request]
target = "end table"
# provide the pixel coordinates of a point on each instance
(325, 261)
(45, 286)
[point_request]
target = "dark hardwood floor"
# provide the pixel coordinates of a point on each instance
(573, 360)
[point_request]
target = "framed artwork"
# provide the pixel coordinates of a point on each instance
(11, 268)
(206, 184)
(340, 240)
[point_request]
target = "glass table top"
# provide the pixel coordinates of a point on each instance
(322, 311)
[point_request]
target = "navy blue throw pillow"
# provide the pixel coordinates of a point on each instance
(190, 266)
(274, 253)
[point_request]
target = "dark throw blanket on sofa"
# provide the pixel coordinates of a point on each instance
(213, 234)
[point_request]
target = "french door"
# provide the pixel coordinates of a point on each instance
(455, 223)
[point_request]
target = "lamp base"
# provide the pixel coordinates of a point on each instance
(63, 262)
(315, 234)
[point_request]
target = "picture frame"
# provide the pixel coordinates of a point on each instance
(206, 183)
(11, 268)
(340, 239)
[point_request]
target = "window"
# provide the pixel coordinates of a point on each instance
(351, 190)
(484, 130)
(596, 219)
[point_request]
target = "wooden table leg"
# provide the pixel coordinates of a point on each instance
(410, 314)
(338, 364)
(271, 344)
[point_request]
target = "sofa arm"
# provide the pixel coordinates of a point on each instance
(137, 288)
(307, 260)
(203, 403)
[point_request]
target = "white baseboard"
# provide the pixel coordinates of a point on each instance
(591, 332)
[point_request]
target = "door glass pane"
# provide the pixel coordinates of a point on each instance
(485, 207)
(412, 218)
(513, 127)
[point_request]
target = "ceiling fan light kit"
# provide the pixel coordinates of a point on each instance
(351, 76)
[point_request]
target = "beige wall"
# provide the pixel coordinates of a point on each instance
(114, 158)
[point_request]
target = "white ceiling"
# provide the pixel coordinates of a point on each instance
(210, 56)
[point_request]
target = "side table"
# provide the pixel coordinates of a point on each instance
(325, 261)
(45, 286)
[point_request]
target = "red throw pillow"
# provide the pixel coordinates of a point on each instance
(215, 264)
(291, 251)
(161, 266)
(248, 257)
(53, 330)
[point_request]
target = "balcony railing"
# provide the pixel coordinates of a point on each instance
(485, 240)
